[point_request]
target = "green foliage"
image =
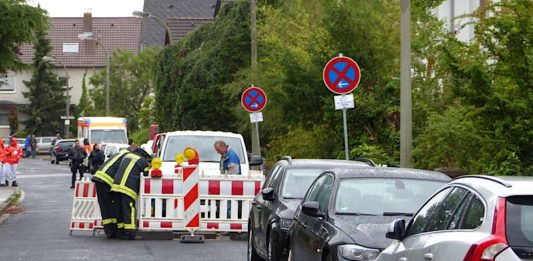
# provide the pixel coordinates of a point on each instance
(146, 115)
(13, 122)
(46, 93)
(192, 72)
(84, 106)
(140, 136)
(18, 23)
(373, 152)
(131, 81)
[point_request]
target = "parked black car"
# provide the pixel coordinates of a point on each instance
(346, 213)
(59, 152)
(273, 209)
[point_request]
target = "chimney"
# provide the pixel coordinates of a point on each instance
(87, 22)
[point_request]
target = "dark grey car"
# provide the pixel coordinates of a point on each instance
(346, 213)
(273, 208)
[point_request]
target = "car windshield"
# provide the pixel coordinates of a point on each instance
(520, 221)
(109, 136)
(46, 140)
(297, 181)
(66, 144)
(383, 196)
(203, 144)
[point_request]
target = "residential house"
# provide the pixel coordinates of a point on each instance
(455, 14)
(77, 56)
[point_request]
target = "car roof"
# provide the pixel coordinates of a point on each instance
(321, 163)
(384, 172)
(203, 133)
(503, 186)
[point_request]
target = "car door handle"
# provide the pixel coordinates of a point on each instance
(428, 256)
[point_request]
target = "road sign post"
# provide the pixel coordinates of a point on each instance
(342, 75)
(254, 100)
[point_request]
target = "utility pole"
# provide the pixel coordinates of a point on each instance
(256, 150)
(406, 134)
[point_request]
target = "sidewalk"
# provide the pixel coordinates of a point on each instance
(5, 194)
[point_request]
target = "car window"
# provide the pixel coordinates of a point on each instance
(474, 215)
(270, 176)
(297, 181)
(65, 145)
(445, 211)
(46, 140)
(519, 221)
(314, 190)
(325, 192)
(276, 181)
(423, 216)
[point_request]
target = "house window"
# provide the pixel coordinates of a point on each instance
(7, 83)
(63, 80)
(4, 120)
(70, 48)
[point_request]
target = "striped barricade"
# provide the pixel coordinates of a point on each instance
(85, 211)
(225, 203)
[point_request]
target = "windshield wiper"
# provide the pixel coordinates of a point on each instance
(355, 214)
(390, 214)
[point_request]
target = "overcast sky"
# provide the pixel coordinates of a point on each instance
(99, 8)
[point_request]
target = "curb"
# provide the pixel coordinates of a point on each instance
(6, 204)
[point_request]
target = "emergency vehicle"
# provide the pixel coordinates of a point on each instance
(103, 130)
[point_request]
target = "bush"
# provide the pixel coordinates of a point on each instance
(140, 136)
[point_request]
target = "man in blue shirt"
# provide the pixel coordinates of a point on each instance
(229, 160)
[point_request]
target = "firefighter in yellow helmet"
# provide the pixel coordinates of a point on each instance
(126, 186)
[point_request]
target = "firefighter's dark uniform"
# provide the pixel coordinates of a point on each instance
(103, 180)
(126, 185)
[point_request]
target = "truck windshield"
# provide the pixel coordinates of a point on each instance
(109, 136)
(203, 144)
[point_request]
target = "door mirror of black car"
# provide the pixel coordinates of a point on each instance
(255, 160)
(268, 194)
(312, 208)
(396, 230)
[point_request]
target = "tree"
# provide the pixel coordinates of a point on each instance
(131, 81)
(84, 106)
(13, 122)
(46, 93)
(19, 22)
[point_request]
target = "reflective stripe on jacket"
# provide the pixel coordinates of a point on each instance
(128, 177)
(106, 172)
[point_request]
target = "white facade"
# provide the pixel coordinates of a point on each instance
(12, 88)
(452, 12)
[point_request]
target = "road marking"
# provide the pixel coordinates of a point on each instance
(48, 210)
(42, 176)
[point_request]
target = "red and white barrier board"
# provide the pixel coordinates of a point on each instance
(85, 211)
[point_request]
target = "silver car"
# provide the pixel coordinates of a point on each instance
(44, 144)
(472, 218)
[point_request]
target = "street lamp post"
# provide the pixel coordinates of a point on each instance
(97, 37)
(146, 15)
(406, 134)
(67, 98)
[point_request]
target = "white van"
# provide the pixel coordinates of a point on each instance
(203, 141)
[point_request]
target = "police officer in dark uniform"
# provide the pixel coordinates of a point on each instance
(103, 180)
(126, 186)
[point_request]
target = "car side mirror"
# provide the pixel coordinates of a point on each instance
(312, 208)
(396, 230)
(268, 194)
(255, 161)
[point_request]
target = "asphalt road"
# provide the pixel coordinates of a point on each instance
(41, 230)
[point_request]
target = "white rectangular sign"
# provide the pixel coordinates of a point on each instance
(344, 102)
(68, 118)
(256, 117)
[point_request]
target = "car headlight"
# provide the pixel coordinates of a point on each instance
(285, 223)
(358, 253)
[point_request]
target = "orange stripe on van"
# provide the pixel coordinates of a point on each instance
(103, 124)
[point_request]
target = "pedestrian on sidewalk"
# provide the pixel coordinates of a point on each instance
(13, 154)
(56, 139)
(33, 145)
(2, 162)
(27, 146)
(76, 155)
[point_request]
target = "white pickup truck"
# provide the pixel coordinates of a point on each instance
(172, 143)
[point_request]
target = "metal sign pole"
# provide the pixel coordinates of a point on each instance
(345, 122)
(257, 140)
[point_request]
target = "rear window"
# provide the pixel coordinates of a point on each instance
(203, 144)
(520, 221)
(65, 145)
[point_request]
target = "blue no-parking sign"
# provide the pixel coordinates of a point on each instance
(341, 75)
